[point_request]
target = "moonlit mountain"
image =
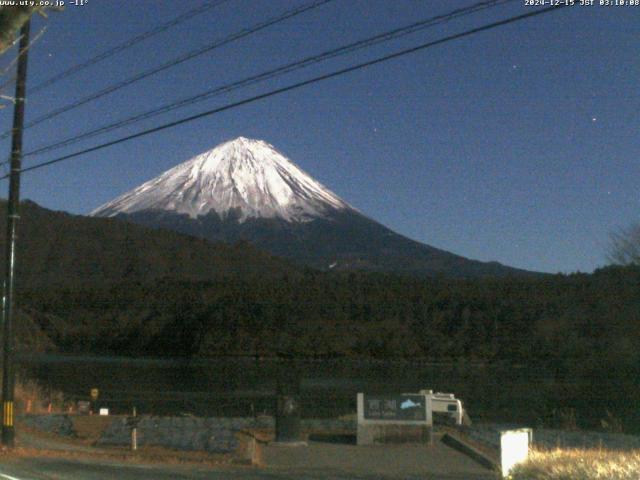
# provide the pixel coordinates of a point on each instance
(245, 176)
(245, 190)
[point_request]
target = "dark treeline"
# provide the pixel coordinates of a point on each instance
(589, 319)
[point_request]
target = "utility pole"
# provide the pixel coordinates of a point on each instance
(8, 371)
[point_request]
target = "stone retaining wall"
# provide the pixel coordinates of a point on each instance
(214, 434)
(60, 424)
(181, 433)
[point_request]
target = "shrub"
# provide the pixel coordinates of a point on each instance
(30, 397)
(563, 464)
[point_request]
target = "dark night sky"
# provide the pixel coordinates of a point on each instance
(520, 144)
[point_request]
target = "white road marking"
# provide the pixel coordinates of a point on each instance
(8, 477)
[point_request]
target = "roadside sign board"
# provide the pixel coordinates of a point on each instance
(391, 408)
(84, 407)
(394, 418)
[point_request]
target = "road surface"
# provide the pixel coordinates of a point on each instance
(63, 469)
(320, 460)
(316, 462)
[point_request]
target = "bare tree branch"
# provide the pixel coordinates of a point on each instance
(11, 20)
(625, 246)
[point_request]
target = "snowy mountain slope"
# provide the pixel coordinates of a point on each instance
(244, 190)
(246, 176)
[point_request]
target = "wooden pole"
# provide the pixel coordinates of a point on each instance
(8, 371)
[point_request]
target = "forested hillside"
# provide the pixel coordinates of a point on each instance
(57, 249)
(560, 321)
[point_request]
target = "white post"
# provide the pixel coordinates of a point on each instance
(514, 448)
(134, 433)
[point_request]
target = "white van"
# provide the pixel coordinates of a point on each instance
(445, 403)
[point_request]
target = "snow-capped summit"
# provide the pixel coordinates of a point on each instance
(249, 177)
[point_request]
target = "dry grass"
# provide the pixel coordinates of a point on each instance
(145, 455)
(579, 465)
(30, 397)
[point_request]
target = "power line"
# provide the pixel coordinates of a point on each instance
(13, 62)
(125, 45)
(16, 60)
(181, 59)
(8, 82)
(295, 86)
(288, 68)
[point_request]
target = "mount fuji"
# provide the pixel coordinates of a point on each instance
(245, 190)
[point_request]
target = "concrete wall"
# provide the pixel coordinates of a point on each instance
(374, 434)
